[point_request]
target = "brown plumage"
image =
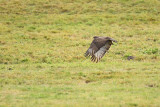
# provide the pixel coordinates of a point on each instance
(98, 47)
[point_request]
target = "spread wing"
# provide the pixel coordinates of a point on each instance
(101, 52)
(96, 44)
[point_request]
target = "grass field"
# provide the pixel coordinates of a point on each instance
(42, 46)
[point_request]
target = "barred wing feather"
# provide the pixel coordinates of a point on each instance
(100, 53)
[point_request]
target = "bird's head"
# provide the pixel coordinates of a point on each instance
(111, 40)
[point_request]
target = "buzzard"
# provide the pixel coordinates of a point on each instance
(98, 47)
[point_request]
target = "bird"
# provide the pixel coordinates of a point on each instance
(99, 46)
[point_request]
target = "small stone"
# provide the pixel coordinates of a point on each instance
(130, 57)
(10, 69)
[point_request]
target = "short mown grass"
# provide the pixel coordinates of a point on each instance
(42, 46)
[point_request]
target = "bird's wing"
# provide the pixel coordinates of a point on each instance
(101, 52)
(91, 50)
(96, 44)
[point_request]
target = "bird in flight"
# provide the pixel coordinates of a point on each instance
(98, 48)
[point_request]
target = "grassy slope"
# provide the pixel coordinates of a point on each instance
(42, 43)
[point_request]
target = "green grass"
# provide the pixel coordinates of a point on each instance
(42, 46)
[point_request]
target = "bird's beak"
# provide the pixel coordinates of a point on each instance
(114, 41)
